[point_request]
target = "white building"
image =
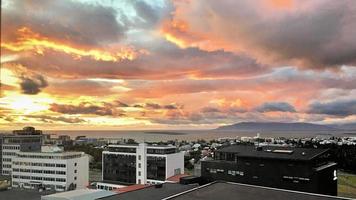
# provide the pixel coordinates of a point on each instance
(140, 164)
(50, 169)
(11, 144)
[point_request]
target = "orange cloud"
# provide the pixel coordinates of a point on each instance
(281, 4)
(30, 41)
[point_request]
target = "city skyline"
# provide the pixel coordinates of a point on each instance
(178, 64)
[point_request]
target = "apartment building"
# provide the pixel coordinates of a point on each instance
(140, 164)
(50, 169)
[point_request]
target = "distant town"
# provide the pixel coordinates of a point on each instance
(38, 165)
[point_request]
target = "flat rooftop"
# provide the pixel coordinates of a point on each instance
(41, 153)
(237, 191)
(152, 193)
(19, 194)
(274, 152)
(80, 194)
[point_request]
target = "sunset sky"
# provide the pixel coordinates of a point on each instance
(180, 64)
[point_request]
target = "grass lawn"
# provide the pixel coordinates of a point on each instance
(346, 184)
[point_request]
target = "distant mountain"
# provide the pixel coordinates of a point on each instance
(347, 126)
(276, 126)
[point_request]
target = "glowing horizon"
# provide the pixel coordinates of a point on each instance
(139, 65)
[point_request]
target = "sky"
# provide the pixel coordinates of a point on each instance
(179, 64)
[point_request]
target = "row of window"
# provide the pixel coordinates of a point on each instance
(11, 147)
(16, 184)
(6, 159)
(39, 164)
(214, 171)
(296, 179)
(61, 157)
(22, 140)
(6, 166)
(234, 173)
(38, 178)
(4, 153)
(39, 171)
(230, 172)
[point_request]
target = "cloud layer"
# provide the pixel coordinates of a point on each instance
(173, 64)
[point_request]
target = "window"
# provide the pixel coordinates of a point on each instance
(139, 157)
(49, 164)
(60, 165)
(75, 164)
(61, 172)
(75, 178)
(37, 178)
(37, 171)
(48, 171)
(139, 165)
(75, 171)
(60, 187)
(61, 179)
(139, 173)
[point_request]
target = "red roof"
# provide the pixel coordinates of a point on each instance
(176, 177)
(131, 188)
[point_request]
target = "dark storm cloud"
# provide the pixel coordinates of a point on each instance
(32, 85)
(275, 107)
(84, 108)
(156, 106)
(314, 34)
(337, 107)
(70, 21)
(52, 119)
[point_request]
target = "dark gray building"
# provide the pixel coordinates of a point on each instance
(300, 169)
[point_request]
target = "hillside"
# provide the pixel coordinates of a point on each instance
(276, 126)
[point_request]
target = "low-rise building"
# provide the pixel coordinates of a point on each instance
(140, 164)
(301, 169)
(50, 169)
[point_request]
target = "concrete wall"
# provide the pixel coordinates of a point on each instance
(173, 162)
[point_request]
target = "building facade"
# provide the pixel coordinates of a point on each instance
(13, 143)
(307, 170)
(51, 170)
(141, 164)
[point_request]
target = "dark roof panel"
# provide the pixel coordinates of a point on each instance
(274, 152)
(152, 193)
(237, 191)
